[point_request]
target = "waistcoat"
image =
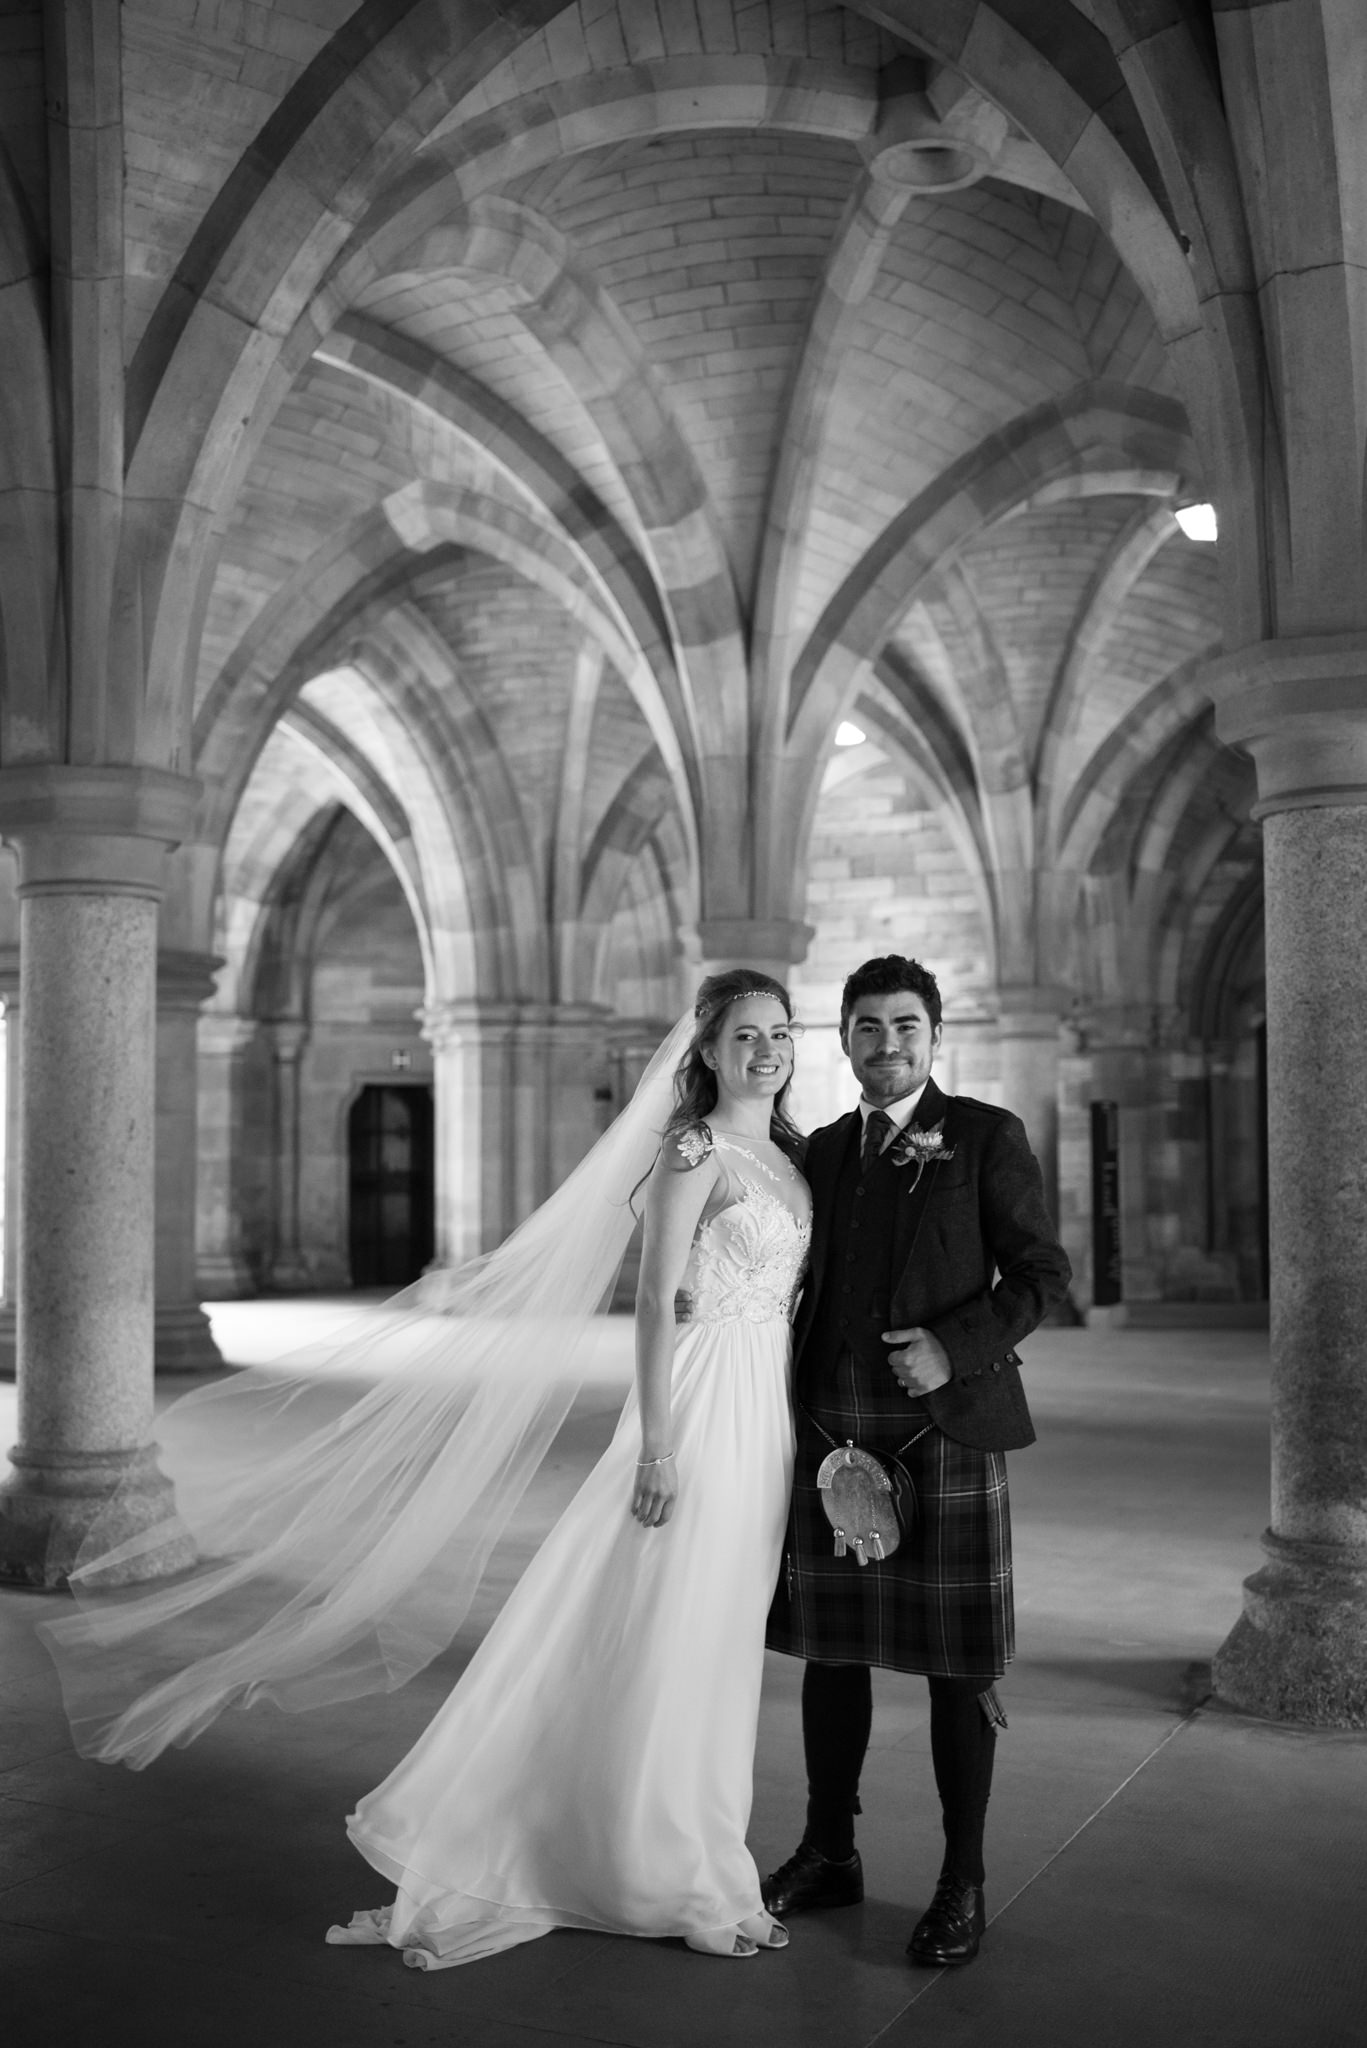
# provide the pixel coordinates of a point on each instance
(855, 1303)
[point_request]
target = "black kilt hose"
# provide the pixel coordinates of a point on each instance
(966, 1250)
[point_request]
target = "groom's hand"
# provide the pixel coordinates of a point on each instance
(919, 1362)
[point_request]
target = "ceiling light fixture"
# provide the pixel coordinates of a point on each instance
(847, 735)
(1198, 522)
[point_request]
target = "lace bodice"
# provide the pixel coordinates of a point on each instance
(747, 1261)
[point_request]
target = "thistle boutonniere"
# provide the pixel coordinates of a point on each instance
(921, 1148)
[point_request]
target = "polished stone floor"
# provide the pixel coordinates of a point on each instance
(1160, 1870)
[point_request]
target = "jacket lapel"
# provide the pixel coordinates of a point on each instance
(911, 1205)
(825, 1160)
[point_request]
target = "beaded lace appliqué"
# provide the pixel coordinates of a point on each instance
(747, 1261)
(695, 1143)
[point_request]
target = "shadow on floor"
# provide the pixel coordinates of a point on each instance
(1160, 1870)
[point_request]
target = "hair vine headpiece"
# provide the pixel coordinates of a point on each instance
(700, 1009)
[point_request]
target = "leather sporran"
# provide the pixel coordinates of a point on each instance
(869, 1507)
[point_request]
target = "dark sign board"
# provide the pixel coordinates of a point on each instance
(1106, 1284)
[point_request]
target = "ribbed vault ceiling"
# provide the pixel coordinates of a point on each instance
(701, 376)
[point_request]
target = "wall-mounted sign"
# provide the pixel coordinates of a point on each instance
(1106, 1269)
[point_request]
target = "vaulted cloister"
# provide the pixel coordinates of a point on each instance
(502, 511)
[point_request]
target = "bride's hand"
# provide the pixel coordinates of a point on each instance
(655, 1492)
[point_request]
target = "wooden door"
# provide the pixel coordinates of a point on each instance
(389, 1141)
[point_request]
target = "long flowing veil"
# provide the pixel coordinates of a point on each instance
(344, 1516)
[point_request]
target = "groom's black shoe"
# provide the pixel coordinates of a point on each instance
(949, 1931)
(808, 1880)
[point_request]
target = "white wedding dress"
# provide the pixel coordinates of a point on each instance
(593, 1767)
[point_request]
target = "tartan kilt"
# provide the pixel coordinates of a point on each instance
(941, 1605)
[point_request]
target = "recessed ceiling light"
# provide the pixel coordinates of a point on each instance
(847, 735)
(1198, 522)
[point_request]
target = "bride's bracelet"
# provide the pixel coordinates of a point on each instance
(654, 1461)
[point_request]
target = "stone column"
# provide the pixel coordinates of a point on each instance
(1299, 1650)
(91, 846)
(9, 995)
(1115, 1063)
(561, 1057)
(515, 1108)
(1028, 1053)
(632, 1044)
(223, 1273)
(184, 1342)
(467, 1086)
(289, 1271)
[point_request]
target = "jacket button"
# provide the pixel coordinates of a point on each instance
(844, 1322)
(998, 1366)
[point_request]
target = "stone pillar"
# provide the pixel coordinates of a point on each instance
(9, 995)
(562, 1058)
(1117, 1043)
(1028, 1052)
(184, 1342)
(632, 1044)
(223, 1273)
(516, 1107)
(467, 1080)
(91, 845)
(289, 1271)
(1299, 1650)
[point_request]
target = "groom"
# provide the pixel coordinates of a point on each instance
(932, 1256)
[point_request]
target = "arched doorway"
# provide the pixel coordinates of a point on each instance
(390, 1166)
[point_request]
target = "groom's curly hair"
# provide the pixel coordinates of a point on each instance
(889, 976)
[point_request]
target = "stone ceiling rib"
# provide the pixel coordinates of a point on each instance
(1148, 529)
(1008, 468)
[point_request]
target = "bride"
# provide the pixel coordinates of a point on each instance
(593, 1766)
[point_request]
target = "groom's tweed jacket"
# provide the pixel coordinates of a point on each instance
(968, 1252)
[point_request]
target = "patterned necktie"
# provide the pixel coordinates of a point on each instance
(878, 1128)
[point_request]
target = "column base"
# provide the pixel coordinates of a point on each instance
(1298, 1652)
(184, 1341)
(289, 1276)
(52, 1499)
(222, 1277)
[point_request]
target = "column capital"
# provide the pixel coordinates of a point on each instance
(1126, 1027)
(773, 945)
(100, 830)
(286, 1036)
(1029, 1010)
(184, 980)
(625, 1034)
(1300, 709)
(445, 1023)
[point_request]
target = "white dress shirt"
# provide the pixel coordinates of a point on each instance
(900, 1112)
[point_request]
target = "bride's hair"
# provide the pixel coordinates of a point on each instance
(695, 1084)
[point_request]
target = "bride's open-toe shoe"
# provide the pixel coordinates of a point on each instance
(722, 1941)
(764, 1930)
